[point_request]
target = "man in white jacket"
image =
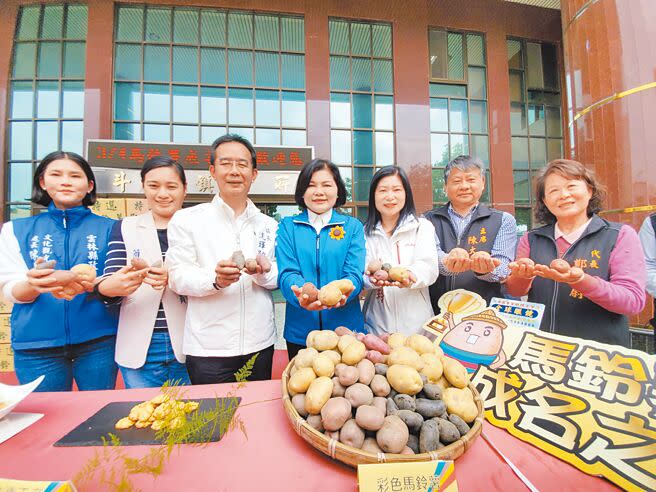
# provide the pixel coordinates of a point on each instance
(230, 312)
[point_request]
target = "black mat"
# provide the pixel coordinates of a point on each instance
(101, 424)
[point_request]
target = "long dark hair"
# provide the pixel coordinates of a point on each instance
(408, 209)
(163, 161)
(305, 177)
(41, 197)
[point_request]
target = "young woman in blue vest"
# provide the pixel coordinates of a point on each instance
(62, 336)
(151, 324)
(319, 246)
(603, 284)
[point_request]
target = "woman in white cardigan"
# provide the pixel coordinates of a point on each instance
(151, 323)
(395, 235)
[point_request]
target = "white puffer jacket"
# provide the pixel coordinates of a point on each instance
(235, 320)
(404, 310)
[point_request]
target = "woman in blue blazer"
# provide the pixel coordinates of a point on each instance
(319, 245)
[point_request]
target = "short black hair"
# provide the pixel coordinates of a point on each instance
(373, 216)
(304, 178)
(232, 137)
(41, 197)
(163, 161)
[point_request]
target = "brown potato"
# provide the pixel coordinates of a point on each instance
(371, 446)
(367, 371)
(299, 404)
(138, 263)
(335, 413)
(380, 402)
(381, 275)
(374, 266)
(338, 389)
(63, 277)
(393, 435)
(239, 259)
(311, 291)
(560, 265)
(359, 394)
(315, 422)
(251, 265)
(348, 375)
(380, 385)
(351, 434)
(369, 417)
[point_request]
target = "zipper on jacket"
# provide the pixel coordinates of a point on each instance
(319, 277)
(66, 266)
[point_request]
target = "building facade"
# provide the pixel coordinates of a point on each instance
(365, 83)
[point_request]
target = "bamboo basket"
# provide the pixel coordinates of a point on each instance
(353, 456)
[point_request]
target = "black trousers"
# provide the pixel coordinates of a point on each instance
(293, 349)
(213, 370)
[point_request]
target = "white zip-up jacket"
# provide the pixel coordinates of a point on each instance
(237, 319)
(394, 309)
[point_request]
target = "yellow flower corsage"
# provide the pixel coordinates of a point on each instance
(337, 233)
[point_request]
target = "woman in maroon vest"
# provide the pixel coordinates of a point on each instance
(603, 279)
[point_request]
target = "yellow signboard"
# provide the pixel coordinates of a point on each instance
(590, 404)
(419, 476)
(109, 207)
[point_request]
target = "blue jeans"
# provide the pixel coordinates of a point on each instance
(160, 366)
(91, 364)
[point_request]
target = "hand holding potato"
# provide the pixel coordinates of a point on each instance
(43, 280)
(227, 273)
(458, 261)
(157, 277)
(522, 268)
(482, 262)
(306, 300)
(122, 283)
(560, 271)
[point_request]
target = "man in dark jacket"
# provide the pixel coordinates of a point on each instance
(475, 242)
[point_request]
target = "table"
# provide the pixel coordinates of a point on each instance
(270, 457)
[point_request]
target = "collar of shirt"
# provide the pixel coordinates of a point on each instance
(319, 220)
(458, 221)
(573, 236)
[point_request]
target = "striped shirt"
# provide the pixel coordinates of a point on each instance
(117, 258)
(503, 248)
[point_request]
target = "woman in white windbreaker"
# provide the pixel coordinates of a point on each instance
(395, 235)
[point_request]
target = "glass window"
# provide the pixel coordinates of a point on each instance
(459, 145)
(46, 87)
(208, 71)
(475, 50)
(534, 113)
(440, 149)
(476, 83)
(478, 116)
(361, 104)
(212, 28)
(240, 30)
(22, 100)
(438, 53)
(455, 49)
(458, 116)
(158, 25)
(448, 90)
(439, 115)
(157, 102)
(267, 109)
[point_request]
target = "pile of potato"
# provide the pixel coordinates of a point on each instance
(412, 400)
(386, 272)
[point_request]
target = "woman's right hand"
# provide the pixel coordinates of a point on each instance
(522, 268)
(42, 280)
(123, 282)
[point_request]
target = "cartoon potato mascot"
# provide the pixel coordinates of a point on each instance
(477, 340)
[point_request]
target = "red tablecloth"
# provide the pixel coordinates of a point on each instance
(270, 457)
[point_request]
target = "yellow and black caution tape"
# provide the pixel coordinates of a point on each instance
(629, 210)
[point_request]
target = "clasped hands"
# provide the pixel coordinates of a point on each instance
(459, 260)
